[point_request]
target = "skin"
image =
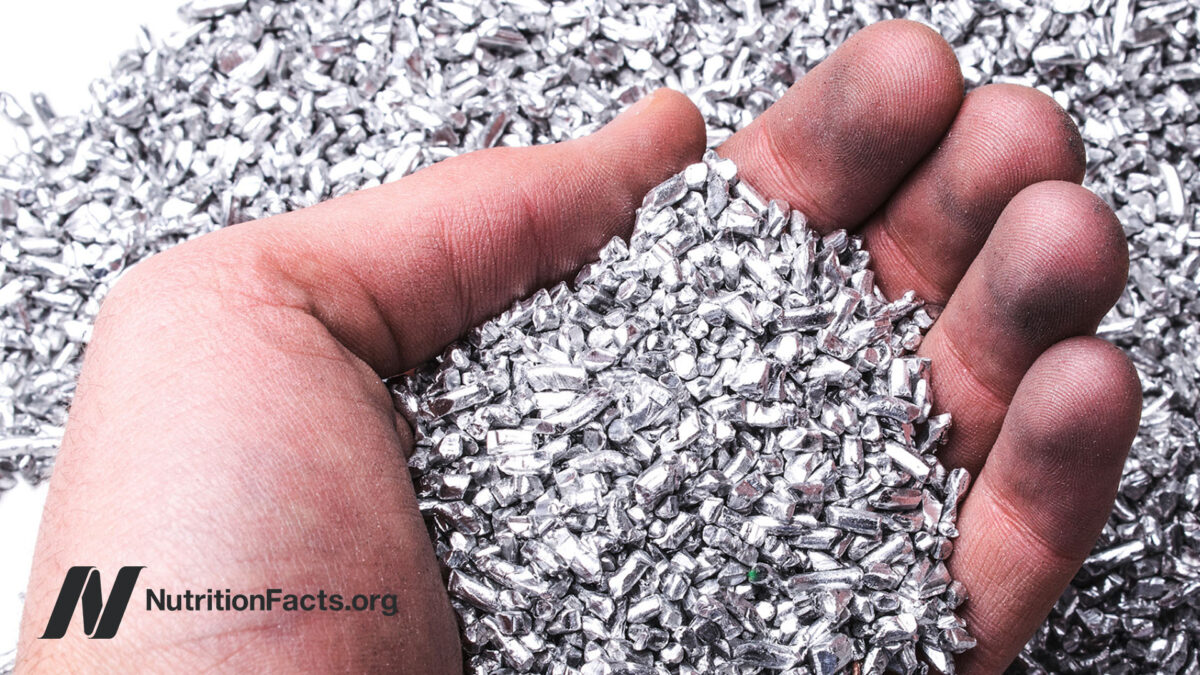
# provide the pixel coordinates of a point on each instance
(230, 429)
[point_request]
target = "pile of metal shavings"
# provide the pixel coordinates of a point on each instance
(712, 452)
(259, 107)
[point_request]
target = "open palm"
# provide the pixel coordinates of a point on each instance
(230, 428)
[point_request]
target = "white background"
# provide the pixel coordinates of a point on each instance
(56, 47)
(59, 46)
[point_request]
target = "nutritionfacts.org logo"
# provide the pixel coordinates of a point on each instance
(102, 617)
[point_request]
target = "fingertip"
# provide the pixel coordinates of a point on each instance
(1125, 380)
(909, 42)
(663, 132)
(676, 108)
(1035, 121)
(646, 144)
(904, 76)
(1057, 262)
(1089, 383)
(1064, 443)
(1075, 207)
(682, 122)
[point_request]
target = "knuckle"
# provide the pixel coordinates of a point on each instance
(771, 157)
(216, 273)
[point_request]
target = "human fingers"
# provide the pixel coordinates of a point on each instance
(1052, 267)
(1044, 494)
(842, 138)
(1004, 139)
(398, 271)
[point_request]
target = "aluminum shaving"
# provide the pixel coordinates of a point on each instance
(259, 107)
(713, 450)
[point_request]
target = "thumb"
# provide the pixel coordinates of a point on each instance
(398, 271)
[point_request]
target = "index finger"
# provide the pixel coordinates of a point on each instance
(842, 138)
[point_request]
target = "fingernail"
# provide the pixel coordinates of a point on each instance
(641, 105)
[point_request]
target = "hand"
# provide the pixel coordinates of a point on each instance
(230, 429)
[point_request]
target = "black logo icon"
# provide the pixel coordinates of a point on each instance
(100, 619)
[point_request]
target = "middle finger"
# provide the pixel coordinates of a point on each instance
(1005, 138)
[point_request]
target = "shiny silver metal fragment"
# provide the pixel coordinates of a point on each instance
(693, 501)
